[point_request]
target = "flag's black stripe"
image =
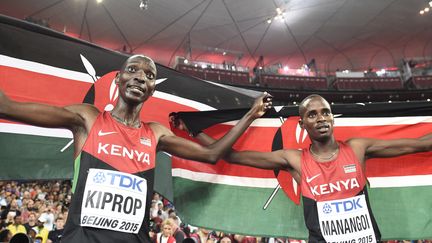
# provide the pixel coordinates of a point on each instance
(197, 121)
(39, 44)
(31, 42)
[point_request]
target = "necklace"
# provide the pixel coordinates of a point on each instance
(324, 158)
(123, 121)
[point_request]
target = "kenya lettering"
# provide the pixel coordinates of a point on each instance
(335, 187)
(118, 150)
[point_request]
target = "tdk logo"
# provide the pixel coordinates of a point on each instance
(348, 205)
(125, 181)
(99, 177)
(327, 208)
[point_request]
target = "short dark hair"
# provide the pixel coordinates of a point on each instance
(4, 235)
(309, 97)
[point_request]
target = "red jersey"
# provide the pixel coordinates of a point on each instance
(339, 178)
(113, 184)
(125, 148)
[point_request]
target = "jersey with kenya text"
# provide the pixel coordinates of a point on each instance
(113, 184)
(340, 178)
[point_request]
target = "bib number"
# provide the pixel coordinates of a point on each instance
(346, 220)
(113, 200)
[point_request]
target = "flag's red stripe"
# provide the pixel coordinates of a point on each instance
(222, 168)
(263, 144)
(256, 138)
(156, 109)
(415, 164)
(27, 86)
(418, 164)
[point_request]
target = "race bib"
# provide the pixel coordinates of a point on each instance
(346, 220)
(113, 200)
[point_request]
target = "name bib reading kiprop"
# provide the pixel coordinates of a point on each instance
(113, 200)
(346, 220)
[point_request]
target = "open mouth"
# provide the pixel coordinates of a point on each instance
(323, 128)
(135, 88)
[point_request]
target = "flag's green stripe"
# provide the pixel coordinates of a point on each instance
(34, 157)
(403, 213)
(77, 165)
(238, 209)
(163, 180)
(31, 157)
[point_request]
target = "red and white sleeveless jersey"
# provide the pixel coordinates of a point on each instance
(127, 149)
(339, 178)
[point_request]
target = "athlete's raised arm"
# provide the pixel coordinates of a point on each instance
(77, 118)
(71, 117)
(211, 153)
(280, 159)
(379, 148)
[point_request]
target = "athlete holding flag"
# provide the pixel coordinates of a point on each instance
(115, 154)
(331, 173)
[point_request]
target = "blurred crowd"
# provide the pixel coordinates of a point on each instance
(39, 209)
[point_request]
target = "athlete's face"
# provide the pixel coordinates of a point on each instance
(137, 79)
(317, 118)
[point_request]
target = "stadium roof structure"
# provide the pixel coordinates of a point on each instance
(337, 34)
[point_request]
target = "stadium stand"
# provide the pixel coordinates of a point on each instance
(288, 89)
(422, 82)
(216, 75)
(293, 82)
(368, 83)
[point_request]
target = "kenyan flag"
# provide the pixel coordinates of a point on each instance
(56, 69)
(40, 65)
(258, 202)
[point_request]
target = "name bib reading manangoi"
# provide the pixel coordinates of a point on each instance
(346, 220)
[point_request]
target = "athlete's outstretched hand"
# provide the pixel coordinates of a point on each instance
(262, 104)
(177, 122)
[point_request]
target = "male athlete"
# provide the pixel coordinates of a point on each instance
(115, 155)
(331, 173)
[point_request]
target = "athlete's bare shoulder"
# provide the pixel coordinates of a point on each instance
(159, 130)
(293, 156)
(87, 112)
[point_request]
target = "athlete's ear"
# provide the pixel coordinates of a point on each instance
(152, 84)
(301, 123)
(116, 80)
